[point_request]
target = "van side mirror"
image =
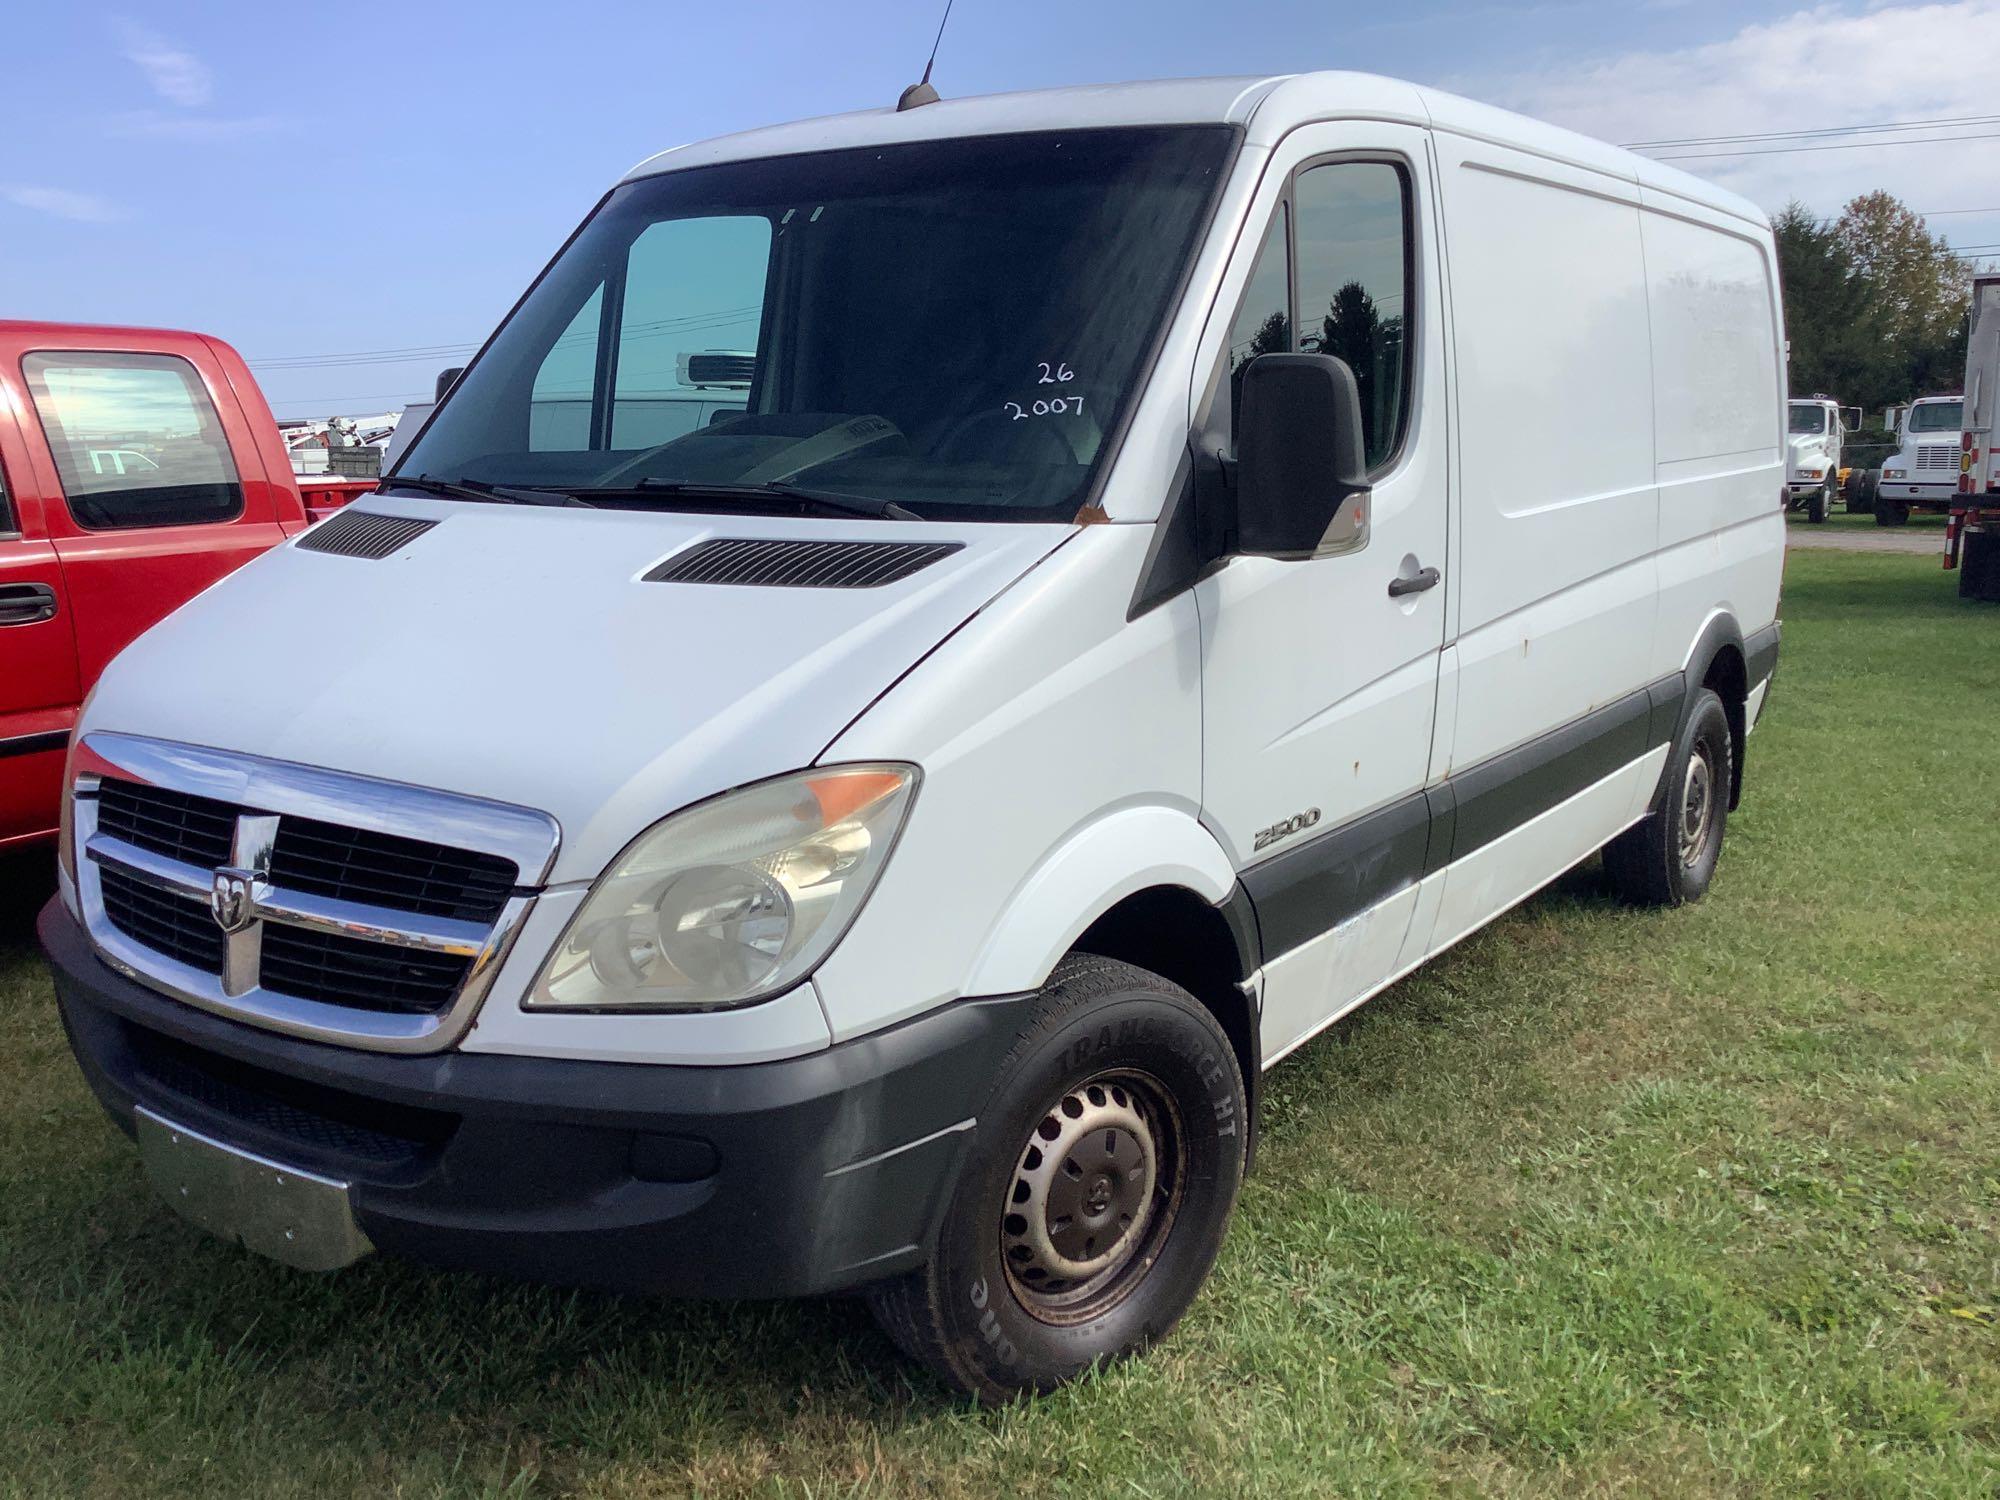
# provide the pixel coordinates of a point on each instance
(445, 381)
(1301, 473)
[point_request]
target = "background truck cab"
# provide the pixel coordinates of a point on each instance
(137, 467)
(1922, 474)
(1814, 427)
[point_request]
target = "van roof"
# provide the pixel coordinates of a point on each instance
(1266, 108)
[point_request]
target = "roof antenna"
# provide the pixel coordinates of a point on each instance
(921, 92)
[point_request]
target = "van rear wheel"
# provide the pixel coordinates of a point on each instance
(1100, 1182)
(1670, 858)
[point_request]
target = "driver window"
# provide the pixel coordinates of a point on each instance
(687, 334)
(1263, 323)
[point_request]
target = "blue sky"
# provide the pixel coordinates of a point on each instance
(364, 177)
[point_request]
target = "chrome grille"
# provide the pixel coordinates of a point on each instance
(315, 903)
(178, 926)
(386, 870)
(359, 973)
(193, 830)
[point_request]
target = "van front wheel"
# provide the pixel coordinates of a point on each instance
(1101, 1179)
(1670, 858)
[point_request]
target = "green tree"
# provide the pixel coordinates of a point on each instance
(1875, 304)
(1921, 289)
(1837, 342)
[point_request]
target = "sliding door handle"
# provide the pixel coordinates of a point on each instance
(1425, 578)
(26, 603)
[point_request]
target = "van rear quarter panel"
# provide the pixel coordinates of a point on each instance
(1558, 509)
(1719, 405)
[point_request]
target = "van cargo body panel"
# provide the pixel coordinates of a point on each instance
(520, 655)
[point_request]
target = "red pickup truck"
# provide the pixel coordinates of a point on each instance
(136, 468)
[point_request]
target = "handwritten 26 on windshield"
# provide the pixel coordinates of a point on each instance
(1050, 406)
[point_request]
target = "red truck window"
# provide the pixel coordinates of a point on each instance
(135, 438)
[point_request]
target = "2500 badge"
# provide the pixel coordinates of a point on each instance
(1296, 823)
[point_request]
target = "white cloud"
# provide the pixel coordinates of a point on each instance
(62, 203)
(177, 75)
(1829, 65)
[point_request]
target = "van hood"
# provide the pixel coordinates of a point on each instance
(521, 654)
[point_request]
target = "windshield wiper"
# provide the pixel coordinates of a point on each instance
(491, 494)
(851, 505)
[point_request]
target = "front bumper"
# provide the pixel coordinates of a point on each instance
(808, 1175)
(1930, 492)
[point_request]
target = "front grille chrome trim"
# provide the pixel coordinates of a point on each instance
(528, 839)
(288, 908)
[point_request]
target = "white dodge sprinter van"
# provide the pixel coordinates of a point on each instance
(1187, 553)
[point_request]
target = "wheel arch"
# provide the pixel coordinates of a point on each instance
(1149, 886)
(1720, 662)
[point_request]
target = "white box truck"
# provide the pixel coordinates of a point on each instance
(1190, 553)
(1972, 535)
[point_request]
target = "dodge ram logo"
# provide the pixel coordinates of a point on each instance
(231, 900)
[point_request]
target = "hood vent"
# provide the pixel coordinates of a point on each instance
(779, 563)
(360, 533)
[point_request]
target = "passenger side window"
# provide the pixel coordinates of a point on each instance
(1353, 286)
(137, 442)
(8, 526)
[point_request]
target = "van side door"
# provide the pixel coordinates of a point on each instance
(38, 682)
(1319, 675)
(161, 488)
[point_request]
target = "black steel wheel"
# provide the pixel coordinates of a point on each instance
(1669, 858)
(1094, 1199)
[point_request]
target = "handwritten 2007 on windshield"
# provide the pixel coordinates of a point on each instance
(1048, 406)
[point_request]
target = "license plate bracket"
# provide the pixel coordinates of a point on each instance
(297, 1217)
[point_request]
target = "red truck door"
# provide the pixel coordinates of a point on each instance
(38, 680)
(162, 488)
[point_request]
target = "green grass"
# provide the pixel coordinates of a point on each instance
(1843, 519)
(1705, 1202)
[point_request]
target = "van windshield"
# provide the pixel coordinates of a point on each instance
(1937, 416)
(1806, 417)
(953, 326)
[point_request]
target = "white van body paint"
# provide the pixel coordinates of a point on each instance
(1593, 461)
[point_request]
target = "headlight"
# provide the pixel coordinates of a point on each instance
(733, 900)
(1892, 473)
(1810, 473)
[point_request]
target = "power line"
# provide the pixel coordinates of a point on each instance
(1928, 140)
(1939, 213)
(1784, 135)
(650, 328)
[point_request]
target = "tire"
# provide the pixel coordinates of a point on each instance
(1889, 513)
(1135, 1084)
(1819, 503)
(1670, 858)
(1861, 488)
